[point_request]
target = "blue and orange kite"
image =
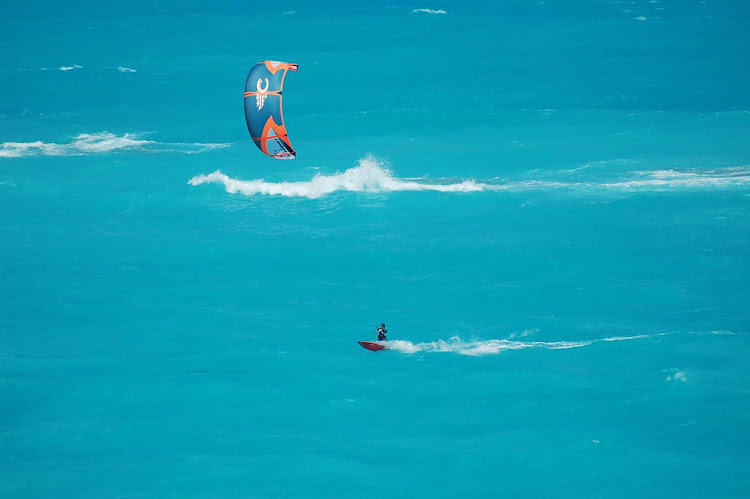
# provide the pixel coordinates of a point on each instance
(263, 111)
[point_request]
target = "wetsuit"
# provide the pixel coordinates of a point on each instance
(381, 334)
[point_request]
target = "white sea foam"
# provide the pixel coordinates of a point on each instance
(636, 337)
(69, 68)
(492, 347)
(373, 176)
(676, 375)
(661, 179)
(526, 332)
(197, 147)
(98, 143)
(123, 69)
(370, 175)
(429, 11)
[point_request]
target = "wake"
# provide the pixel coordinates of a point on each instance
(493, 347)
(372, 176)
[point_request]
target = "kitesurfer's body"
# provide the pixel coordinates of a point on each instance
(381, 332)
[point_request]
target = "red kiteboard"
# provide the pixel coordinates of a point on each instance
(373, 346)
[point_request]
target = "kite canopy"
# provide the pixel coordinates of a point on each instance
(263, 111)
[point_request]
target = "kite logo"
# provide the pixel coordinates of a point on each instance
(260, 97)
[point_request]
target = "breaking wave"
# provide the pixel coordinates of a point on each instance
(369, 176)
(372, 176)
(98, 143)
(491, 347)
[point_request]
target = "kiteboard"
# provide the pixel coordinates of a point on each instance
(373, 345)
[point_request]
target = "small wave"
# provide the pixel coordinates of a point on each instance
(372, 176)
(369, 176)
(492, 347)
(97, 143)
(68, 68)
(428, 11)
(123, 69)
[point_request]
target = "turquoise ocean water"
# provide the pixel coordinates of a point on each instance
(548, 204)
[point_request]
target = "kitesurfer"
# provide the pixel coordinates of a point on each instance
(381, 332)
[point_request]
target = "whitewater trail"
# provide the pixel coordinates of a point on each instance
(491, 347)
